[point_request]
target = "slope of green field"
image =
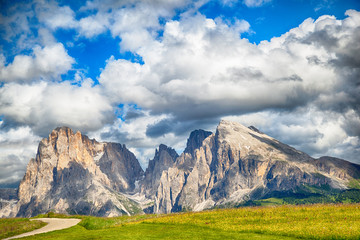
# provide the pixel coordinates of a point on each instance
(16, 226)
(281, 222)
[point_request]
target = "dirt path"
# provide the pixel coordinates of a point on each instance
(53, 224)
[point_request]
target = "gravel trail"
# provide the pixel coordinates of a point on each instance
(53, 224)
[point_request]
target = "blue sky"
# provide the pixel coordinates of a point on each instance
(276, 17)
(270, 19)
(144, 72)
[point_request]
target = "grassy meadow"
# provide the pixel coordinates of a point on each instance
(319, 221)
(16, 226)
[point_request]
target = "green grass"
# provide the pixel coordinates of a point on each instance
(271, 201)
(305, 194)
(16, 226)
(332, 221)
(354, 183)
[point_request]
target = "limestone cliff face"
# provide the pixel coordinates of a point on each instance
(121, 167)
(195, 140)
(164, 159)
(173, 181)
(235, 163)
(74, 174)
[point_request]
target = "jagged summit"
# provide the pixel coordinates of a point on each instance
(195, 140)
(62, 128)
(238, 163)
(169, 150)
(72, 173)
(255, 129)
(164, 158)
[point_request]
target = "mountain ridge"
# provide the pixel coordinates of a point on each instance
(74, 174)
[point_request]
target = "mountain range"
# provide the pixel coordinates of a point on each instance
(233, 166)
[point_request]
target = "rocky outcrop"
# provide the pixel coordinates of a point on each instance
(195, 140)
(8, 194)
(164, 159)
(8, 198)
(120, 166)
(186, 181)
(73, 174)
(239, 163)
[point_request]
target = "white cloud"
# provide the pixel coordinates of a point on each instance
(45, 106)
(17, 147)
(15, 23)
(201, 69)
(48, 62)
(93, 25)
(124, 19)
(255, 3)
(56, 17)
(133, 133)
(301, 87)
(203, 63)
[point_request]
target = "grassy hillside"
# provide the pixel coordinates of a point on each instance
(282, 222)
(304, 194)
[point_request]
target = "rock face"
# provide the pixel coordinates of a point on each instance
(120, 166)
(73, 174)
(8, 194)
(8, 198)
(195, 140)
(239, 163)
(164, 159)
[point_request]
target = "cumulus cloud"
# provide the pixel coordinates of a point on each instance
(24, 22)
(44, 106)
(93, 25)
(124, 19)
(44, 63)
(302, 87)
(134, 22)
(54, 16)
(204, 65)
(201, 69)
(15, 25)
(17, 147)
(132, 133)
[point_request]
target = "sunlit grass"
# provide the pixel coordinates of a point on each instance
(313, 221)
(16, 226)
(332, 221)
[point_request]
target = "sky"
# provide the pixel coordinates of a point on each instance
(146, 72)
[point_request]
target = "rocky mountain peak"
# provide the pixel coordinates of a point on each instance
(195, 140)
(121, 167)
(68, 146)
(255, 129)
(239, 137)
(164, 159)
(245, 142)
(62, 129)
(74, 173)
(227, 129)
(163, 149)
(239, 163)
